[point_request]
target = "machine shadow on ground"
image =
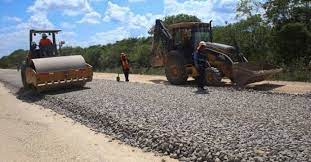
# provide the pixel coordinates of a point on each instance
(264, 87)
(257, 87)
(31, 96)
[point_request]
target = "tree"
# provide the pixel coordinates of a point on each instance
(168, 20)
(14, 59)
(173, 19)
(280, 12)
(251, 36)
(248, 8)
(291, 20)
(92, 56)
(294, 42)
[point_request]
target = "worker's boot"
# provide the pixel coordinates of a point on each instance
(202, 90)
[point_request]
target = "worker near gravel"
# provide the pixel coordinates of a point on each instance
(125, 65)
(200, 62)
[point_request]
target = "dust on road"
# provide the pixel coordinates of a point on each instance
(29, 132)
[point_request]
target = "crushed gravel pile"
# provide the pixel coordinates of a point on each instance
(225, 125)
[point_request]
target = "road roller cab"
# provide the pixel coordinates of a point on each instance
(45, 68)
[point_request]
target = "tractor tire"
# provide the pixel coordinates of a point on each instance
(23, 76)
(213, 77)
(175, 69)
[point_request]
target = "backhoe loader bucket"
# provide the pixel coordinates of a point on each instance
(46, 73)
(246, 73)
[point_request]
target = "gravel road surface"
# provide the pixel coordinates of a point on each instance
(224, 125)
(28, 132)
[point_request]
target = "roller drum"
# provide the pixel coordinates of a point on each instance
(55, 64)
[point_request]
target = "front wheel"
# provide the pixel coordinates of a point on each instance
(213, 76)
(175, 69)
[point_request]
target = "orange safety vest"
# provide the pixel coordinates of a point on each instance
(45, 42)
(124, 61)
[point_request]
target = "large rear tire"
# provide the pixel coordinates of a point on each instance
(175, 69)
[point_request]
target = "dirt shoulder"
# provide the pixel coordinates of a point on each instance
(29, 132)
(271, 86)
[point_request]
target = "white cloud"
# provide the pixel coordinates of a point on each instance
(217, 10)
(116, 12)
(66, 25)
(69, 12)
(110, 36)
(20, 40)
(39, 11)
(19, 33)
(91, 18)
(68, 8)
(44, 5)
(40, 20)
(130, 23)
(13, 19)
(132, 1)
(127, 18)
(69, 37)
(97, 0)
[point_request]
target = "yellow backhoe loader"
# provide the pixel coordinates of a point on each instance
(45, 69)
(174, 45)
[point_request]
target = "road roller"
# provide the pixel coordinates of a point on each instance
(45, 69)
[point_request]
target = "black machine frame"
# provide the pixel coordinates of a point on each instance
(34, 32)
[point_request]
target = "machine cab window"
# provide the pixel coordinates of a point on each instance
(182, 38)
(200, 34)
(43, 43)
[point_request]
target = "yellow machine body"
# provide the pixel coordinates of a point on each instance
(47, 73)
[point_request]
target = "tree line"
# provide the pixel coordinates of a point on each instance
(280, 35)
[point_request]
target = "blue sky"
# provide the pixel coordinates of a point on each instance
(90, 22)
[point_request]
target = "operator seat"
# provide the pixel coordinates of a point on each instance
(46, 51)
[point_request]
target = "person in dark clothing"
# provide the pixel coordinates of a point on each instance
(125, 66)
(200, 62)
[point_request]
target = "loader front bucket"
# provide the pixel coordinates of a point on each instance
(246, 73)
(48, 73)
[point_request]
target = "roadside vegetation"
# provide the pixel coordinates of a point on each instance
(281, 35)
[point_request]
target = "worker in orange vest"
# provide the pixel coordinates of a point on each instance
(45, 46)
(45, 41)
(125, 65)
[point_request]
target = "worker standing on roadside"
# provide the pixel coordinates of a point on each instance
(125, 66)
(200, 62)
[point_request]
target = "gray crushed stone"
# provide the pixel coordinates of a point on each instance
(225, 125)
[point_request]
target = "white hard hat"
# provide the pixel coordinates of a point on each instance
(44, 35)
(202, 43)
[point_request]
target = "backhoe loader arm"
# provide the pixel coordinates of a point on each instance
(162, 43)
(161, 34)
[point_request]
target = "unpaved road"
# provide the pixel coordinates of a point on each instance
(29, 132)
(271, 86)
(224, 125)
